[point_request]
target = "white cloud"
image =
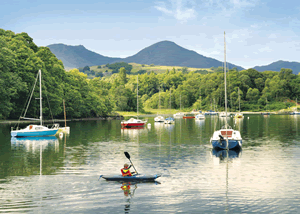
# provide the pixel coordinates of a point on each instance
(182, 10)
(230, 7)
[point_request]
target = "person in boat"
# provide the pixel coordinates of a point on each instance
(125, 171)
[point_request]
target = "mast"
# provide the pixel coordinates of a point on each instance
(180, 102)
(239, 99)
(159, 99)
(225, 81)
(41, 107)
(65, 113)
(137, 96)
(170, 99)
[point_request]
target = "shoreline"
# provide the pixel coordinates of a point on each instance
(119, 117)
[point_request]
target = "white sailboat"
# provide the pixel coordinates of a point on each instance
(34, 130)
(239, 115)
(226, 137)
(159, 118)
(134, 122)
(169, 120)
(179, 114)
(296, 112)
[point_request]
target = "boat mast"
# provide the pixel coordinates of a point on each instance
(137, 96)
(225, 81)
(239, 99)
(41, 107)
(65, 113)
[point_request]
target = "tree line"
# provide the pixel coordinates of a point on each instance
(20, 59)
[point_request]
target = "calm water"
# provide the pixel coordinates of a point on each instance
(61, 175)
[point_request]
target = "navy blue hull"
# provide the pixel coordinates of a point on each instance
(130, 178)
(232, 144)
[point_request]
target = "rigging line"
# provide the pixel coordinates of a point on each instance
(49, 105)
(31, 95)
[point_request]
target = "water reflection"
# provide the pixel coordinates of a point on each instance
(29, 148)
(200, 123)
(223, 154)
(133, 132)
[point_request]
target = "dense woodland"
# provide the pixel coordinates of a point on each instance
(20, 60)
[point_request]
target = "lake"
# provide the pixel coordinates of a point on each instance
(56, 175)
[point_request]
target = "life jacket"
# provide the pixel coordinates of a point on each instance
(126, 172)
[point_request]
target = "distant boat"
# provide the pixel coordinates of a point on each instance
(169, 120)
(226, 137)
(159, 118)
(188, 116)
(134, 122)
(34, 130)
(199, 117)
(211, 112)
(239, 115)
(224, 114)
(266, 113)
(178, 115)
(296, 112)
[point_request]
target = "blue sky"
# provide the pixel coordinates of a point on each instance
(257, 32)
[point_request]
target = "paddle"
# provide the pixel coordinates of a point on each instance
(128, 156)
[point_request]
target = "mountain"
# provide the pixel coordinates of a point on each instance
(78, 56)
(170, 54)
(276, 66)
(161, 53)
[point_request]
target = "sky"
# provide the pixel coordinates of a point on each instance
(257, 32)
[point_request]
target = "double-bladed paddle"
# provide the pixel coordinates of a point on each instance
(128, 156)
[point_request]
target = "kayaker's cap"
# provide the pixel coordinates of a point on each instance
(126, 165)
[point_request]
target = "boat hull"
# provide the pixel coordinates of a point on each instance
(222, 144)
(127, 125)
(21, 133)
(130, 178)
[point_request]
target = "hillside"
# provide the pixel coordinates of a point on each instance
(276, 66)
(78, 56)
(170, 54)
(162, 53)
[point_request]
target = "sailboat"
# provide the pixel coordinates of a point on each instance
(266, 113)
(159, 118)
(239, 115)
(296, 112)
(226, 137)
(169, 120)
(134, 122)
(34, 130)
(179, 114)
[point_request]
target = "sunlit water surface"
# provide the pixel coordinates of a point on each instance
(56, 175)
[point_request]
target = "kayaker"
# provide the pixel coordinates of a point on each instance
(125, 171)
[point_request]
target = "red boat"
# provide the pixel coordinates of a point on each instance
(188, 116)
(132, 122)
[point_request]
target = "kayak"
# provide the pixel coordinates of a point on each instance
(138, 177)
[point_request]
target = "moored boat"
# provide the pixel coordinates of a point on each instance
(169, 120)
(199, 117)
(33, 130)
(188, 116)
(133, 122)
(138, 177)
(226, 137)
(159, 119)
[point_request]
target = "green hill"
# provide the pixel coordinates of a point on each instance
(276, 66)
(164, 53)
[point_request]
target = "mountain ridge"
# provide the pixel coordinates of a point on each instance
(160, 53)
(165, 52)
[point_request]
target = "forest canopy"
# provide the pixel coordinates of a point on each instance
(20, 60)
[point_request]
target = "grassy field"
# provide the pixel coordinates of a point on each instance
(151, 111)
(155, 68)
